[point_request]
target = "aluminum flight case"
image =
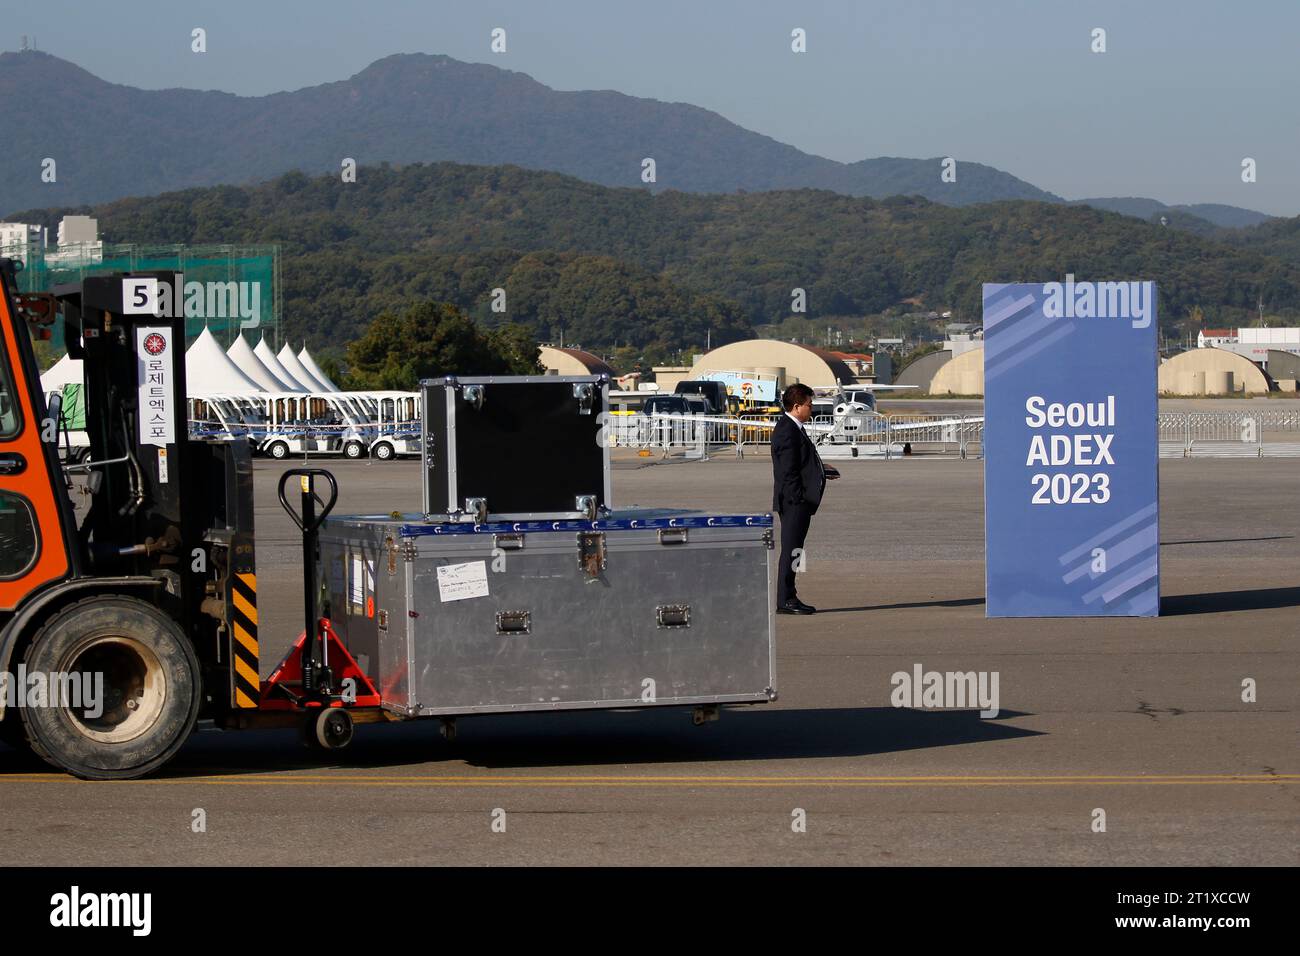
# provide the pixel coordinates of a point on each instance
(511, 448)
(643, 608)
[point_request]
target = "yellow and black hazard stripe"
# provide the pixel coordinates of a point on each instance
(244, 683)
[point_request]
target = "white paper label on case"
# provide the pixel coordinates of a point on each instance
(456, 582)
(357, 591)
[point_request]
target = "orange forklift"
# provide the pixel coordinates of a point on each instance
(118, 634)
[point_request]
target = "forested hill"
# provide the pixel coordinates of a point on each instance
(631, 267)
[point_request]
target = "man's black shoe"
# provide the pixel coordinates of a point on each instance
(808, 608)
(794, 607)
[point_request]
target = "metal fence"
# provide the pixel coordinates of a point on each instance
(694, 435)
(887, 436)
(1267, 433)
(947, 436)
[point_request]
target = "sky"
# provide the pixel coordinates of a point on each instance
(1184, 92)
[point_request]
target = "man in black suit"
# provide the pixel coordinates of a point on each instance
(799, 479)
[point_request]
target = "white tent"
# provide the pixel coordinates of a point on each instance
(294, 368)
(66, 371)
(267, 358)
(208, 369)
(242, 354)
(310, 365)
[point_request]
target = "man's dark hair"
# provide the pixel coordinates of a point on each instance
(795, 394)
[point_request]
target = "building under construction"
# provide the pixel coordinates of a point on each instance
(228, 289)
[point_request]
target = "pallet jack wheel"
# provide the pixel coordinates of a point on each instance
(330, 729)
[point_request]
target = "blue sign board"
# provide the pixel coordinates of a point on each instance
(1071, 495)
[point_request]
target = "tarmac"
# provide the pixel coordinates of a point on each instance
(1137, 722)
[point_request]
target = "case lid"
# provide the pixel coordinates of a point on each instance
(414, 525)
(617, 523)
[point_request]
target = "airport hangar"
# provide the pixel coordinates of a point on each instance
(1203, 371)
(559, 361)
(788, 362)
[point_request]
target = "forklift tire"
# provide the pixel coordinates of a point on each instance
(354, 449)
(150, 696)
(278, 450)
(383, 451)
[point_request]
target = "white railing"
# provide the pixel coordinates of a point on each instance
(887, 435)
(959, 436)
(1266, 433)
(697, 435)
(1262, 433)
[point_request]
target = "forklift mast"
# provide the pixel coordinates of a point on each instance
(137, 423)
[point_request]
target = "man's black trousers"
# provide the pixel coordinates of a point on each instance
(794, 528)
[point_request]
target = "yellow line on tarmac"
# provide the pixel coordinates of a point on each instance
(628, 781)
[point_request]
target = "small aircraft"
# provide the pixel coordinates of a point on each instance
(856, 427)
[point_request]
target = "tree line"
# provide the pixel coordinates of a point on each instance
(613, 268)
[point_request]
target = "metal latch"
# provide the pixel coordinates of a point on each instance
(586, 504)
(514, 622)
(672, 535)
(474, 396)
(585, 393)
(673, 615)
(390, 546)
(478, 508)
(591, 552)
(509, 541)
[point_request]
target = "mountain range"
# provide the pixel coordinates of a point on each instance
(111, 141)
